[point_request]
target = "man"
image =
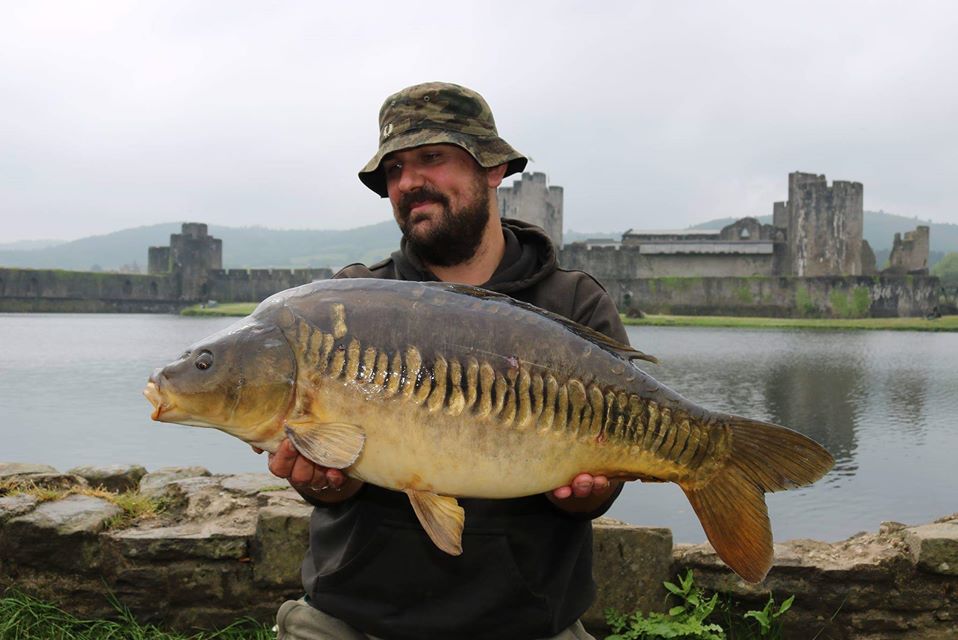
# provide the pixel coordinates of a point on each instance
(526, 567)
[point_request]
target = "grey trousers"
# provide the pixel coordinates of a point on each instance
(296, 620)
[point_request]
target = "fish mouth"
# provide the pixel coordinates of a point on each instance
(155, 397)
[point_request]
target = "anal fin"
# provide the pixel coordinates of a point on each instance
(330, 444)
(441, 517)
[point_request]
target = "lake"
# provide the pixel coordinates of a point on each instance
(884, 403)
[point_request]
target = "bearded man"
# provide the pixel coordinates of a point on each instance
(525, 572)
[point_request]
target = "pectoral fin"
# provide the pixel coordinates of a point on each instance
(441, 517)
(331, 444)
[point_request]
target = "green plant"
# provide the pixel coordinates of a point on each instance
(768, 617)
(685, 621)
(691, 618)
(803, 302)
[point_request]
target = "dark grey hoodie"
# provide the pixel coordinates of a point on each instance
(526, 567)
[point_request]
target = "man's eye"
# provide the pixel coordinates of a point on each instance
(432, 156)
(392, 168)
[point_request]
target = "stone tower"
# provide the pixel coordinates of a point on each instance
(823, 226)
(192, 254)
(910, 254)
(532, 200)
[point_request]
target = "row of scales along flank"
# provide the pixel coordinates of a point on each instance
(517, 398)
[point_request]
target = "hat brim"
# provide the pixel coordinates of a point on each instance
(487, 151)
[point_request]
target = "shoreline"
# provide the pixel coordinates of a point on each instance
(944, 323)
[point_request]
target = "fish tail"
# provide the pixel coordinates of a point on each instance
(730, 503)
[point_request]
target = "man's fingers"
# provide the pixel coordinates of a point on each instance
(582, 486)
(306, 473)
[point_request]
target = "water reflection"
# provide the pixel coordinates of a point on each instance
(906, 393)
(821, 400)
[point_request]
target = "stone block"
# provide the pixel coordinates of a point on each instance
(253, 483)
(154, 482)
(189, 540)
(76, 514)
(282, 537)
(13, 506)
(633, 562)
(934, 547)
(60, 534)
(9, 469)
(116, 477)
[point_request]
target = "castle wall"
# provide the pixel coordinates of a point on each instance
(255, 285)
(532, 200)
(41, 290)
(823, 297)
(158, 260)
(629, 262)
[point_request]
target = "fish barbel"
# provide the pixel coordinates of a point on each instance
(442, 390)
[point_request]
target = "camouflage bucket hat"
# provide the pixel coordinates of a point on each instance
(434, 113)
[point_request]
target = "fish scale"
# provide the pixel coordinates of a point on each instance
(441, 386)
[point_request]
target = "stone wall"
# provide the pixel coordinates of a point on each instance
(45, 290)
(825, 297)
(230, 546)
(611, 263)
(246, 285)
(55, 290)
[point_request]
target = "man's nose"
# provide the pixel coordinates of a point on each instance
(410, 179)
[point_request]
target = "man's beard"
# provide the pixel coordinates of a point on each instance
(455, 235)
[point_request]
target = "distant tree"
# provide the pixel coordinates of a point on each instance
(947, 269)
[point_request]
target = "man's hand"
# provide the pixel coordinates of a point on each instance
(307, 477)
(585, 493)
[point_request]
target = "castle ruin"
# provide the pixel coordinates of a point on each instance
(532, 200)
(909, 255)
(817, 232)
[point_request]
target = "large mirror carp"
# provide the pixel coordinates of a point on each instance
(442, 391)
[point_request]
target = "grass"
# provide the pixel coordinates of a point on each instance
(23, 617)
(226, 309)
(134, 505)
(945, 323)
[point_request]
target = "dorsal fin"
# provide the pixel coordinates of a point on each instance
(601, 340)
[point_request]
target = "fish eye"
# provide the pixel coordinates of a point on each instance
(204, 361)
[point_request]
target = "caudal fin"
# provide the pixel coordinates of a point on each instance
(763, 457)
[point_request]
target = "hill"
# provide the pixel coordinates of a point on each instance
(259, 247)
(243, 247)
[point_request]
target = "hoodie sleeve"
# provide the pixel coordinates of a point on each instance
(594, 308)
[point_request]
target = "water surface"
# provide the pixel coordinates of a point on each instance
(884, 403)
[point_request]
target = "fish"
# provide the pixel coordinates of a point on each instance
(447, 391)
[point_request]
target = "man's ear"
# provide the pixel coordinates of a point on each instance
(495, 175)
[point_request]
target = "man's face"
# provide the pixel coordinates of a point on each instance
(440, 199)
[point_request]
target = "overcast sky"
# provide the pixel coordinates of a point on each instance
(649, 114)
